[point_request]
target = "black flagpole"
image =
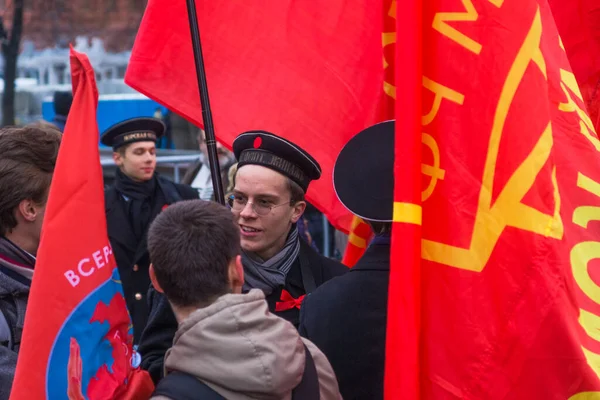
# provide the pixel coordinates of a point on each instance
(209, 128)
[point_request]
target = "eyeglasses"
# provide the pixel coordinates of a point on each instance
(262, 207)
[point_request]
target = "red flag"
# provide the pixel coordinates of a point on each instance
(360, 233)
(358, 240)
(507, 304)
(312, 74)
(77, 340)
(402, 363)
(578, 22)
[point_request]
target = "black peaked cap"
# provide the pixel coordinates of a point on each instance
(271, 151)
(363, 174)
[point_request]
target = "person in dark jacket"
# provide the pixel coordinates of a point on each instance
(135, 199)
(27, 159)
(346, 317)
(62, 105)
(272, 177)
(198, 174)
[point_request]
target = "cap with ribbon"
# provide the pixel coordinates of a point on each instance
(271, 151)
(133, 130)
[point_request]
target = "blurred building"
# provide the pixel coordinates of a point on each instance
(50, 22)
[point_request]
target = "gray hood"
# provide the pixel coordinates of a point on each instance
(242, 351)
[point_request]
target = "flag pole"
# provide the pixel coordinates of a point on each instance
(211, 143)
(403, 343)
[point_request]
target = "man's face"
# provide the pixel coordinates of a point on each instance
(202, 143)
(264, 235)
(223, 154)
(138, 162)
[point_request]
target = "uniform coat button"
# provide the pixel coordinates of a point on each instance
(138, 296)
(136, 268)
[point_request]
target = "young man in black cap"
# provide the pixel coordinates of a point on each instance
(346, 318)
(272, 177)
(135, 199)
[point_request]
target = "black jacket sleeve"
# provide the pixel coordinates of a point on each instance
(8, 365)
(158, 335)
(303, 328)
(334, 268)
(187, 192)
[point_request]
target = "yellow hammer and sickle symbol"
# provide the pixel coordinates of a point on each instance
(434, 171)
(507, 210)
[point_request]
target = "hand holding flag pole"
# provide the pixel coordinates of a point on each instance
(209, 128)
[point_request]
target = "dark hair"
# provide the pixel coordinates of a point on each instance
(27, 159)
(191, 244)
(122, 149)
(296, 192)
(43, 125)
(62, 103)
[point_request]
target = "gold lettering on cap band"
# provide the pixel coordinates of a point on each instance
(138, 136)
(267, 159)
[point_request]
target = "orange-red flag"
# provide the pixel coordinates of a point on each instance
(507, 304)
(77, 340)
(310, 73)
(578, 23)
(402, 358)
(358, 239)
(360, 233)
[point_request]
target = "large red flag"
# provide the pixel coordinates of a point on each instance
(77, 340)
(360, 232)
(309, 72)
(508, 304)
(578, 23)
(402, 337)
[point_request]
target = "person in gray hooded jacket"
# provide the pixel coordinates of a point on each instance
(27, 159)
(228, 345)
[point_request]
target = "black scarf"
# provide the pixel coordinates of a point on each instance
(138, 198)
